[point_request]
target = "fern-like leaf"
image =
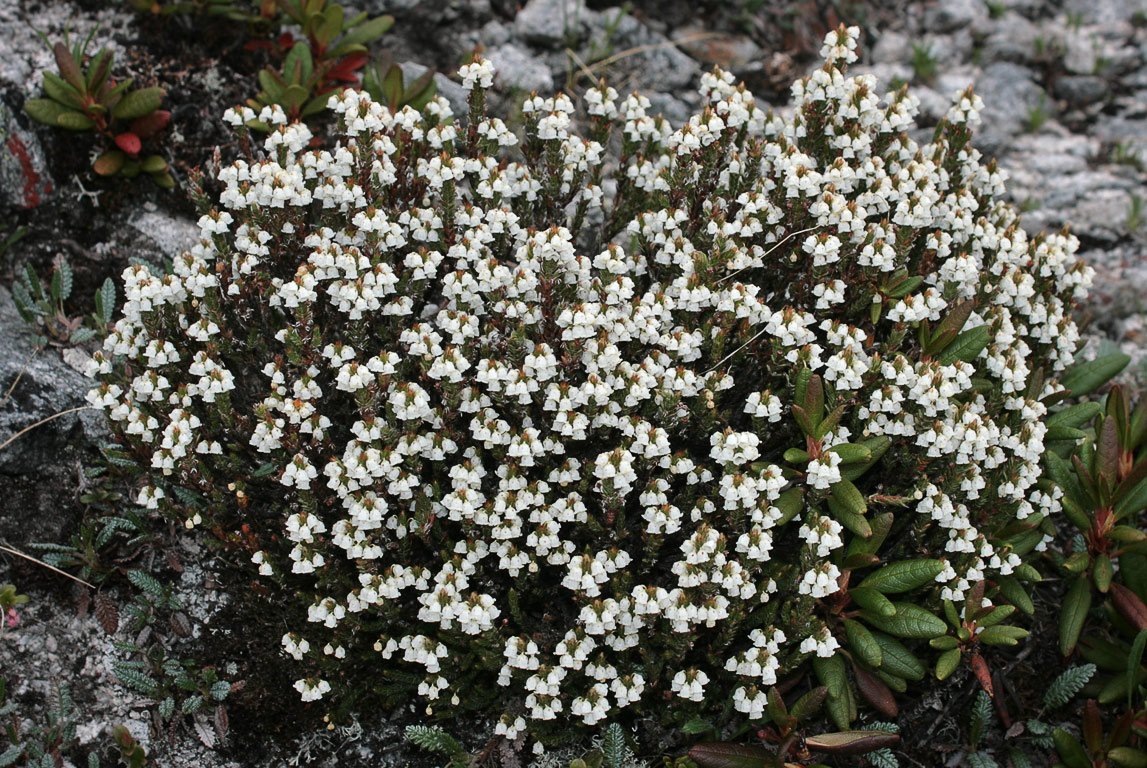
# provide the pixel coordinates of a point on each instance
(614, 747)
(433, 738)
(981, 760)
(1070, 682)
(1019, 759)
(981, 716)
(146, 583)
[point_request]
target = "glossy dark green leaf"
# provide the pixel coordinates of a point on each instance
(911, 622)
(872, 600)
(903, 575)
(967, 346)
(1075, 607)
(1084, 378)
(862, 642)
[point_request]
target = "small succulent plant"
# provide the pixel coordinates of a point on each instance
(85, 99)
(333, 53)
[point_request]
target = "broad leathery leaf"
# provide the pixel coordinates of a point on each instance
(45, 111)
(1002, 634)
(1129, 606)
(1101, 573)
(1085, 378)
(852, 742)
(967, 346)
(1070, 751)
(139, 103)
(61, 91)
(1135, 659)
(950, 326)
(862, 642)
(109, 163)
(1074, 612)
(876, 693)
(1127, 757)
(903, 575)
(871, 599)
(1015, 594)
(790, 503)
(897, 659)
(718, 755)
(75, 121)
(854, 522)
(831, 673)
(911, 621)
(947, 663)
(851, 452)
(809, 704)
(849, 496)
(1075, 416)
(69, 67)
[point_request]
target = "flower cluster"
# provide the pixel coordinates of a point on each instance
(600, 431)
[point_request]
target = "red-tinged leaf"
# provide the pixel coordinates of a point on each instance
(106, 613)
(1092, 727)
(83, 597)
(344, 71)
(851, 742)
(129, 143)
(204, 730)
(876, 693)
(222, 722)
(69, 67)
(258, 45)
(983, 674)
(180, 624)
(109, 163)
(147, 126)
(1129, 606)
(718, 755)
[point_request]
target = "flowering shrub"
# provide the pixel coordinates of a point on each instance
(552, 435)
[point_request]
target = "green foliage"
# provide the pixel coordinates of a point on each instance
(84, 97)
(1135, 213)
(1067, 685)
(924, 63)
(1037, 115)
(384, 81)
(180, 688)
(433, 739)
(1126, 153)
(334, 50)
(1102, 473)
(42, 304)
(844, 494)
(615, 747)
(232, 10)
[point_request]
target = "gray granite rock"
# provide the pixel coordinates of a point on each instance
(1080, 90)
(655, 62)
(1012, 38)
(1008, 91)
(890, 48)
(48, 385)
(171, 234)
(553, 23)
(951, 15)
(518, 68)
(24, 178)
